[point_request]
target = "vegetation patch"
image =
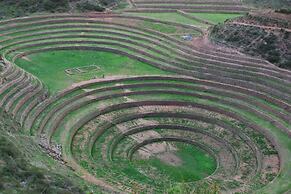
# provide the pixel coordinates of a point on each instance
(216, 17)
(18, 175)
(17, 8)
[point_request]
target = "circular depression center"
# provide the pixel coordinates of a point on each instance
(175, 160)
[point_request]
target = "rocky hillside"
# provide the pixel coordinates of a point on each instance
(273, 4)
(267, 37)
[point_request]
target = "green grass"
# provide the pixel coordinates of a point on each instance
(159, 27)
(196, 164)
(122, 4)
(50, 66)
(172, 17)
(176, 17)
(215, 17)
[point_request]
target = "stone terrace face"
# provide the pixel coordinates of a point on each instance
(235, 108)
(212, 6)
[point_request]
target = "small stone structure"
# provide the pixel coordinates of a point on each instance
(84, 69)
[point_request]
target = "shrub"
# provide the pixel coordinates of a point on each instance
(89, 6)
(107, 2)
(284, 10)
(17, 8)
(55, 5)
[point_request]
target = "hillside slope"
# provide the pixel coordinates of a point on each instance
(17, 8)
(273, 4)
(266, 37)
(26, 169)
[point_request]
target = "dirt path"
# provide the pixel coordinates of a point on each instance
(214, 50)
(261, 26)
(26, 58)
(131, 3)
(205, 43)
(196, 18)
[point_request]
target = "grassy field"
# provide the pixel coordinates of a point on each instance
(196, 164)
(48, 64)
(215, 17)
(176, 17)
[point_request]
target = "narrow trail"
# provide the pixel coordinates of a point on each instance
(261, 26)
